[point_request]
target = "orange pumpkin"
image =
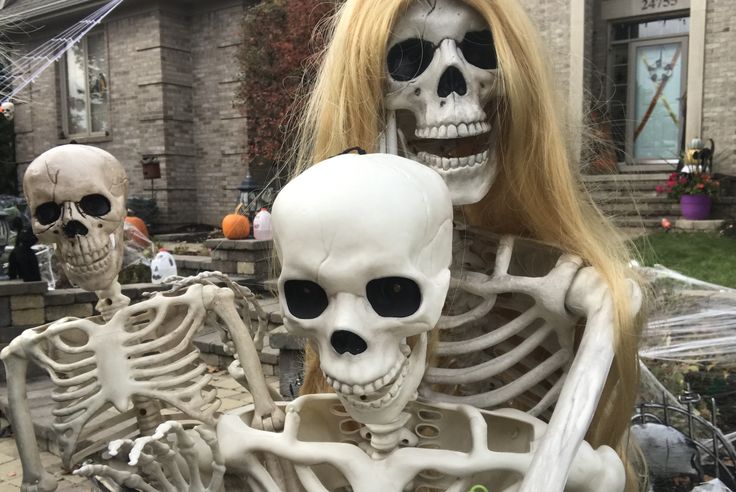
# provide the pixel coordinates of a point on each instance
(138, 223)
(236, 225)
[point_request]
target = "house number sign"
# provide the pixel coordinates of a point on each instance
(617, 9)
(657, 4)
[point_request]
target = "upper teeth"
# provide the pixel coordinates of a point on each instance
(453, 131)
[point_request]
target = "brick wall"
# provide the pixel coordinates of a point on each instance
(173, 74)
(552, 17)
(719, 117)
(220, 125)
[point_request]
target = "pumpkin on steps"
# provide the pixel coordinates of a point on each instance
(138, 223)
(236, 225)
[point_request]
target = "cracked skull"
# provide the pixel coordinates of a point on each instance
(365, 246)
(442, 83)
(77, 197)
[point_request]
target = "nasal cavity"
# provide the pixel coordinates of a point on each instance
(75, 228)
(346, 341)
(452, 81)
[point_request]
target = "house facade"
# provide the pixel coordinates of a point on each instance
(158, 78)
(649, 75)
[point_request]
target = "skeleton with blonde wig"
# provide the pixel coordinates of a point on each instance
(462, 86)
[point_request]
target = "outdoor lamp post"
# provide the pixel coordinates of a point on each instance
(249, 197)
(253, 197)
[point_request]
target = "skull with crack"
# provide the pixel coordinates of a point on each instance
(77, 197)
(443, 84)
(365, 246)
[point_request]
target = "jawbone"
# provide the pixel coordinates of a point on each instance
(384, 405)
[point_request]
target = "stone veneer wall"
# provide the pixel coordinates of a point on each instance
(719, 117)
(552, 18)
(29, 304)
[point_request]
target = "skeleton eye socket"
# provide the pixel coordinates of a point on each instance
(477, 48)
(48, 212)
(304, 298)
(394, 297)
(96, 205)
(408, 59)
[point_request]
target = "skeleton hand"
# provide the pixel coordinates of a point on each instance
(272, 421)
(172, 466)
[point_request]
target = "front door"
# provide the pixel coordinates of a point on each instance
(657, 86)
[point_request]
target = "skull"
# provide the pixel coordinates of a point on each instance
(77, 197)
(8, 110)
(365, 247)
(442, 68)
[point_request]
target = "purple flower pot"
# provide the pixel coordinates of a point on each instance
(695, 207)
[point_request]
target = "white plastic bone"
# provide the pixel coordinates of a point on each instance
(144, 353)
(589, 297)
(457, 446)
(169, 456)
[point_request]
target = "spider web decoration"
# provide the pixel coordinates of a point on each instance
(18, 74)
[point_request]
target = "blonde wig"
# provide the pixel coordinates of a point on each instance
(537, 192)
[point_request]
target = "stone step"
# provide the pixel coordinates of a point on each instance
(624, 186)
(642, 208)
(636, 222)
(608, 178)
(605, 197)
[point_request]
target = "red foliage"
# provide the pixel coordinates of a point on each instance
(278, 42)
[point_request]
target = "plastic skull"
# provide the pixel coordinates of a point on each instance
(365, 246)
(442, 69)
(8, 110)
(77, 197)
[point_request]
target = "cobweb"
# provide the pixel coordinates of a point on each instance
(691, 321)
(16, 75)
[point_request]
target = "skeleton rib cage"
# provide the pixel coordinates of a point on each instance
(506, 339)
(145, 352)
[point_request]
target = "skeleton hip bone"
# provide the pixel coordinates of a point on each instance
(365, 246)
(442, 68)
(77, 197)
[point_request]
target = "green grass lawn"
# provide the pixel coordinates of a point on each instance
(705, 256)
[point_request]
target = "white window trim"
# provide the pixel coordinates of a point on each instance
(65, 95)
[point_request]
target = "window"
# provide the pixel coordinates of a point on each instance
(85, 88)
(647, 77)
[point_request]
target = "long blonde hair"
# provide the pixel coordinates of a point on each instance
(538, 192)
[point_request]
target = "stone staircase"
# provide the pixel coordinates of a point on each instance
(631, 201)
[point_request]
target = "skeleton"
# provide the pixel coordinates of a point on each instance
(138, 356)
(508, 335)
(358, 295)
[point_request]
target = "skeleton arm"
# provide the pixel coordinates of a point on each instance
(268, 415)
(35, 478)
(590, 297)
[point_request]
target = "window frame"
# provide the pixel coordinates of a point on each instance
(63, 86)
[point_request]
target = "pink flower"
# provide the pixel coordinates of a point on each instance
(659, 188)
(683, 180)
(700, 186)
